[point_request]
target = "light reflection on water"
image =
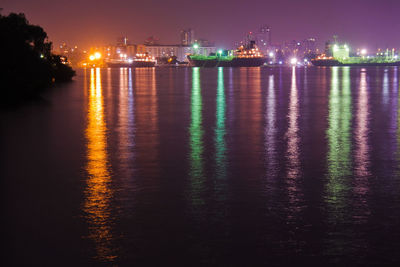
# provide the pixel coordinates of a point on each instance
(126, 128)
(98, 192)
(338, 160)
(271, 129)
(293, 153)
(361, 157)
(196, 142)
(220, 131)
(230, 165)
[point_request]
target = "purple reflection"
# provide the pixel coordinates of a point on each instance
(385, 88)
(270, 129)
(361, 153)
(292, 154)
(126, 122)
(361, 132)
(292, 132)
(393, 98)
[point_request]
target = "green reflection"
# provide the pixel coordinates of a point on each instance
(339, 141)
(196, 139)
(220, 131)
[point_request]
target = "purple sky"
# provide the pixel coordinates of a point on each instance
(369, 23)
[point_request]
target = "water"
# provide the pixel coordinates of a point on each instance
(208, 167)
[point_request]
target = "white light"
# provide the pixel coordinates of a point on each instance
(271, 54)
(293, 61)
(363, 51)
(335, 48)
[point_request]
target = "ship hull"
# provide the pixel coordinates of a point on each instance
(332, 62)
(235, 62)
(135, 64)
(141, 64)
(119, 65)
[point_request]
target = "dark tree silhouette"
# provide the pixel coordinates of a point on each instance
(27, 65)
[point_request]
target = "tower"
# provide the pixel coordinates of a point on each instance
(187, 37)
(263, 38)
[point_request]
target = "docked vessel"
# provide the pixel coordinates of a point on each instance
(144, 60)
(245, 56)
(140, 60)
(340, 57)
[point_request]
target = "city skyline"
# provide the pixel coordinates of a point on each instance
(361, 23)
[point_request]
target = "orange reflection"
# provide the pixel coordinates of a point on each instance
(98, 192)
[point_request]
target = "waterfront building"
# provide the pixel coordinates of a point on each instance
(123, 49)
(178, 51)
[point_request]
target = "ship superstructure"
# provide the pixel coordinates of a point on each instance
(140, 60)
(244, 56)
(341, 57)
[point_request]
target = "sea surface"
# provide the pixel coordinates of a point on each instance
(205, 167)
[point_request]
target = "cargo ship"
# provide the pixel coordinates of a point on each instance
(340, 57)
(140, 60)
(245, 56)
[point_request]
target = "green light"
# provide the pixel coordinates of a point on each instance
(220, 131)
(339, 143)
(220, 51)
(196, 139)
(195, 46)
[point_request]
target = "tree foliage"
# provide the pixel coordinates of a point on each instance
(27, 65)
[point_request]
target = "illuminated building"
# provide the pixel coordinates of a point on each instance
(187, 37)
(263, 38)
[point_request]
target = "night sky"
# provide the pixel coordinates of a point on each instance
(366, 23)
